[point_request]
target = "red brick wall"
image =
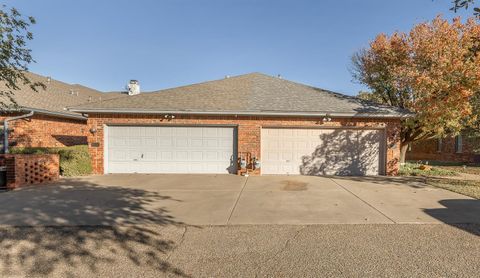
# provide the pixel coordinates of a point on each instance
(427, 150)
(29, 169)
(249, 130)
(46, 131)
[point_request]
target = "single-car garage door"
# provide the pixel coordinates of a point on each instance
(170, 149)
(322, 151)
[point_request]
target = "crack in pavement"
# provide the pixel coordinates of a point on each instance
(285, 246)
(182, 239)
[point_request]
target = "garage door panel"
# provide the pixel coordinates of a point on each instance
(165, 131)
(166, 156)
(150, 141)
(322, 151)
(170, 149)
(211, 143)
(119, 155)
(118, 141)
(150, 156)
(181, 143)
(165, 142)
(196, 143)
(132, 141)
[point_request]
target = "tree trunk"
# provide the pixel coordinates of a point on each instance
(403, 152)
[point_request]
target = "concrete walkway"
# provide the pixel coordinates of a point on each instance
(134, 199)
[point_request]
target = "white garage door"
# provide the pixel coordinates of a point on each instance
(322, 151)
(162, 149)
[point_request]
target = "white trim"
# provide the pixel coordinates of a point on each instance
(247, 113)
(105, 149)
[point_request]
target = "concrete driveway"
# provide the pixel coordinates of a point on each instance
(231, 200)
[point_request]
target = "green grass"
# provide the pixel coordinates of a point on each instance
(465, 187)
(74, 161)
(412, 169)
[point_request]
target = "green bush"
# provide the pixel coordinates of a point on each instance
(74, 161)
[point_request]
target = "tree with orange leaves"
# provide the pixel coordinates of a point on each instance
(433, 71)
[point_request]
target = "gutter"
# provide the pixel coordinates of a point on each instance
(243, 113)
(5, 128)
(54, 113)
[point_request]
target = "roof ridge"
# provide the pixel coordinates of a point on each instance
(204, 82)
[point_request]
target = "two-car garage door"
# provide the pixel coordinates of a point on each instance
(322, 151)
(212, 149)
(170, 149)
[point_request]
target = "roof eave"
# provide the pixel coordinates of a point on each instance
(248, 113)
(53, 113)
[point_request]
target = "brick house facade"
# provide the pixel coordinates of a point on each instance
(463, 149)
(51, 124)
(42, 130)
(248, 131)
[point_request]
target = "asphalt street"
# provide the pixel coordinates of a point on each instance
(358, 250)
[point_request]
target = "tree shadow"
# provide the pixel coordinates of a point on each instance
(76, 223)
(70, 140)
(346, 152)
(460, 213)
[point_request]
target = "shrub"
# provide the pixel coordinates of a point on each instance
(74, 161)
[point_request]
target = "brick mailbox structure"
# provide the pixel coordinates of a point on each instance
(30, 169)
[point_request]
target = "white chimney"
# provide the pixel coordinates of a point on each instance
(133, 87)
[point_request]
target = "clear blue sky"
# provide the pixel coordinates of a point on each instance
(103, 44)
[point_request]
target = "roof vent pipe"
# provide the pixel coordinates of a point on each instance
(133, 87)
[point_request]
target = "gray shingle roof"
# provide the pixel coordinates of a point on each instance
(56, 97)
(252, 93)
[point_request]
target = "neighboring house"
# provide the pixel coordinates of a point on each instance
(289, 128)
(463, 148)
(48, 123)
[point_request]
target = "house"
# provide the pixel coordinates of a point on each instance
(44, 120)
(267, 124)
(463, 148)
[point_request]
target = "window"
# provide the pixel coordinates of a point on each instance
(439, 145)
(409, 147)
(458, 144)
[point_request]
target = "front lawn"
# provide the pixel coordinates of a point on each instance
(465, 187)
(473, 169)
(446, 176)
(415, 169)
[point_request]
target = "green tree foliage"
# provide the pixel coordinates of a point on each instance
(15, 56)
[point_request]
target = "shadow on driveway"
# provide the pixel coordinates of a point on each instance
(453, 208)
(95, 228)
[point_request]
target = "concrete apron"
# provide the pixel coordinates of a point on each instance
(139, 199)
